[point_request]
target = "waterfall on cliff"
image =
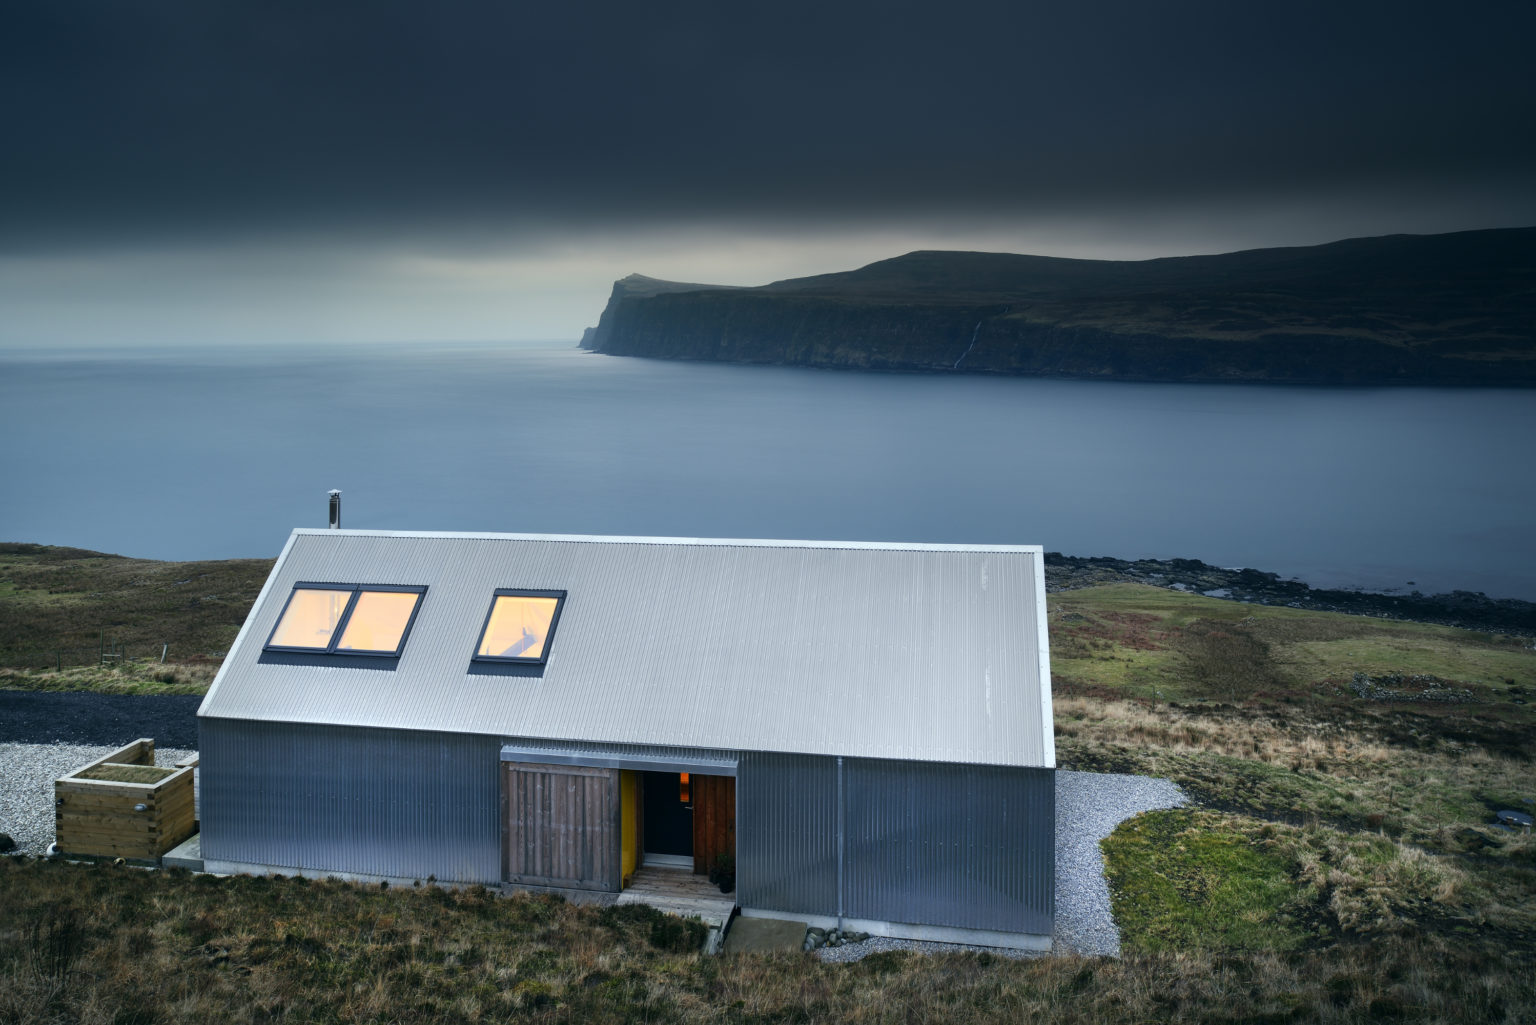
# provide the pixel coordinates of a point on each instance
(968, 348)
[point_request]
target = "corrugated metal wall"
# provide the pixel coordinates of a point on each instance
(967, 846)
(786, 833)
(961, 845)
(342, 799)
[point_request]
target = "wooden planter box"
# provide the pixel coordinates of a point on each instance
(124, 805)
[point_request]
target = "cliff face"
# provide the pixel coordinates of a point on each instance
(1447, 309)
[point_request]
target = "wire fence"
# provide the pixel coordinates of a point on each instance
(107, 653)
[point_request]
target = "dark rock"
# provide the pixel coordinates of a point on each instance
(6, 843)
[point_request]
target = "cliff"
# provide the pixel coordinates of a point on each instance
(1402, 309)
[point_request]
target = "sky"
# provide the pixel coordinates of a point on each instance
(205, 172)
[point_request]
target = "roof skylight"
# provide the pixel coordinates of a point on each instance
(350, 619)
(519, 626)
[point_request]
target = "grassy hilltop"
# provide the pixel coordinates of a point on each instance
(1338, 864)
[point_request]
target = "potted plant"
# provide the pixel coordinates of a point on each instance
(723, 872)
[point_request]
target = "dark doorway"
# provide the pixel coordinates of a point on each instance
(668, 814)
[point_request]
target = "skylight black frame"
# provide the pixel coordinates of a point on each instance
(549, 638)
(340, 629)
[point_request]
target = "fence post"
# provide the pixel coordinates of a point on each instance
(163, 649)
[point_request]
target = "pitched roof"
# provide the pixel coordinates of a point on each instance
(926, 652)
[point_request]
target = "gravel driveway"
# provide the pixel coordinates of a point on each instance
(79, 717)
(27, 772)
(44, 734)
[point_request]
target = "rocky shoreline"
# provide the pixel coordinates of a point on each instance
(1471, 610)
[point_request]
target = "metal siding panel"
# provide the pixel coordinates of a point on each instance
(954, 845)
(899, 652)
(786, 833)
(340, 799)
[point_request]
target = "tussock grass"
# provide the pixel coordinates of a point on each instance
(1250, 709)
(1190, 879)
(134, 677)
(103, 944)
(95, 943)
(1368, 774)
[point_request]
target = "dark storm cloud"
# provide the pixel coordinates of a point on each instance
(147, 119)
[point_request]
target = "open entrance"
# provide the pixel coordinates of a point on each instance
(595, 826)
(689, 819)
(668, 803)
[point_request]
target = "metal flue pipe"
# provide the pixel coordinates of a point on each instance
(335, 509)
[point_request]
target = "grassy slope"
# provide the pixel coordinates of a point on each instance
(1325, 818)
(60, 606)
(1337, 866)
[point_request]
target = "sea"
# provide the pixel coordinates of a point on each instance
(219, 452)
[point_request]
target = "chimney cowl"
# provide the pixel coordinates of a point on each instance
(335, 509)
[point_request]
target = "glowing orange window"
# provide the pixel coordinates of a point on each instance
(310, 619)
(353, 619)
(519, 626)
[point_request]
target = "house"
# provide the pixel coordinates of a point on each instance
(865, 728)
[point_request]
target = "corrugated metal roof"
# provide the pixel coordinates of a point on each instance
(927, 652)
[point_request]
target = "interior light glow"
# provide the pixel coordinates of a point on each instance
(519, 627)
(358, 619)
(310, 618)
(378, 621)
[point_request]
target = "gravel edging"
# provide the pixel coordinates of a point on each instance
(27, 772)
(1089, 805)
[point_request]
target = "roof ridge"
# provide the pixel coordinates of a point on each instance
(913, 546)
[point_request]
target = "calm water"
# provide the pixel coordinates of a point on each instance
(176, 456)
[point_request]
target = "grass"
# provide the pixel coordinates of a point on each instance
(1325, 821)
(1196, 879)
(132, 677)
(60, 606)
(1150, 642)
(115, 945)
(99, 943)
(1251, 709)
(1191, 880)
(1339, 864)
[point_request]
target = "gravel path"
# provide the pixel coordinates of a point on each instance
(27, 772)
(79, 717)
(1089, 805)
